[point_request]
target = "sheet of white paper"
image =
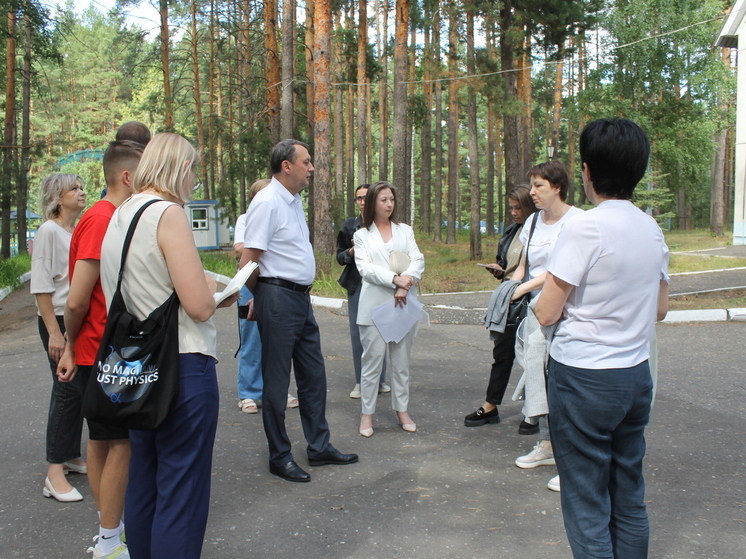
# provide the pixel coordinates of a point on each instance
(394, 322)
(238, 281)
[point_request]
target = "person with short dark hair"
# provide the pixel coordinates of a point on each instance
(277, 238)
(607, 279)
(134, 131)
(85, 320)
(351, 281)
(509, 252)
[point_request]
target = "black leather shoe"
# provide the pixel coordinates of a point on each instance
(526, 428)
(480, 417)
(290, 471)
(333, 456)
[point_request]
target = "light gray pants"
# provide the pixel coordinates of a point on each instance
(374, 354)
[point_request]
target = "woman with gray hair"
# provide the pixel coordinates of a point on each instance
(62, 199)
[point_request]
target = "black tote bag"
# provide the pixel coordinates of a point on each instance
(134, 382)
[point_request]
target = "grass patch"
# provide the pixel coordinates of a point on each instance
(733, 299)
(684, 263)
(697, 239)
(11, 269)
(219, 261)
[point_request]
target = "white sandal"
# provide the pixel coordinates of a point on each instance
(248, 406)
(292, 401)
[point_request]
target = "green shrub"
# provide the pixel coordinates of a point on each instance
(12, 269)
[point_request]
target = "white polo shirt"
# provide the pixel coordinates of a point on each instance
(276, 224)
(616, 257)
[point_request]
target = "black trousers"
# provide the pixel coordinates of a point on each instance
(65, 421)
(503, 355)
(290, 336)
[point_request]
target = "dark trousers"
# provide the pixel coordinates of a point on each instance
(598, 437)
(168, 496)
(503, 355)
(65, 422)
(290, 335)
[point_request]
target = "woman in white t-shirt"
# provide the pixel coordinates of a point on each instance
(62, 201)
(608, 283)
(549, 184)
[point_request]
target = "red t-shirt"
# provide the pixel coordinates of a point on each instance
(86, 245)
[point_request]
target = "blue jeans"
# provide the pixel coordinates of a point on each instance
(250, 382)
(598, 435)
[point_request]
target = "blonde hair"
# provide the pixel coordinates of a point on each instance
(256, 187)
(52, 189)
(165, 164)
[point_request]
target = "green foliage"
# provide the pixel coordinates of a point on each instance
(12, 268)
(219, 262)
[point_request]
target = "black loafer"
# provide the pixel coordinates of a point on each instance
(526, 428)
(333, 456)
(290, 471)
(480, 417)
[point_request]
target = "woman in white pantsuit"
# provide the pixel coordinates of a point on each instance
(380, 235)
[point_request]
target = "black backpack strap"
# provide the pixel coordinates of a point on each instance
(528, 243)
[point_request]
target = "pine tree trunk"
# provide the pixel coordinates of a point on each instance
(198, 97)
(438, 182)
(362, 105)
(10, 132)
(475, 233)
(400, 105)
(310, 44)
(511, 140)
(287, 107)
(383, 94)
(426, 136)
(717, 208)
(525, 94)
(453, 122)
(322, 19)
(25, 163)
(273, 77)
(168, 117)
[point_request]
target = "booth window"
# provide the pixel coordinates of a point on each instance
(199, 219)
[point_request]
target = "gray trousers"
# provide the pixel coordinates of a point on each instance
(353, 301)
(374, 355)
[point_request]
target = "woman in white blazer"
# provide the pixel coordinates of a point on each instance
(380, 235)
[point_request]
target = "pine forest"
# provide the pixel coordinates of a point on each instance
(450, 101)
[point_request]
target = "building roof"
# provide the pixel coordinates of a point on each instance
(728, 36)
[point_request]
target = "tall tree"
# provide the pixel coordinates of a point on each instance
(272, 69)
(453, 122)
(438, 182)
(323, 238)
(288, 69)
(475, 236)
(362, 102)
(383, 104)
(200, 123)
(165, 46)
(400, 106)
(9, 150)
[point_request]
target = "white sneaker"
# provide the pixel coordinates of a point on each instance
(383, 388)
(356, 392)
(541, 455)
(554, 484)
(119, 552)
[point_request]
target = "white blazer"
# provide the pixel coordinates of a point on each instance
(372, 260)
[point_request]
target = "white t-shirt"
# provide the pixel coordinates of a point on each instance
(49, 264)
(542, 242)
(616, 257)
(240, 230)
(276, 224)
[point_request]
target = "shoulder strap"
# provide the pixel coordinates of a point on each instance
(128, 238)
(528, 243)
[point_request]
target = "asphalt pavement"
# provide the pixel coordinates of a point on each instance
(446, 491)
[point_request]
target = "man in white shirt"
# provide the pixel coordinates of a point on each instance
(277, 238)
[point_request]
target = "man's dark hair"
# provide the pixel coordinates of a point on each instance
(553, 171)
(359, 188)
(283, 151)
(118, 154)
(369, 214)
(134, 131)
(616, 152)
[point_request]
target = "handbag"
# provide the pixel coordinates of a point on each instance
(134, 382)
(518, 309)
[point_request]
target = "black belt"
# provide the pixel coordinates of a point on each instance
(286, 284)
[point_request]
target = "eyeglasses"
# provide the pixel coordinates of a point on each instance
(196, 186)
(360, 198)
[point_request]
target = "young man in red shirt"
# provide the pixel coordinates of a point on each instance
(85, 319)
